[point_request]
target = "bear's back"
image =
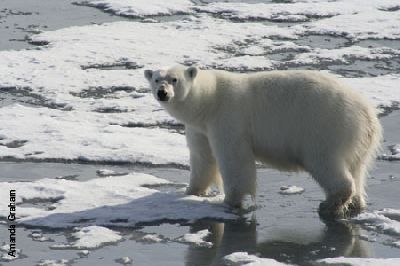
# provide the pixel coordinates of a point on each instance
(293, 110)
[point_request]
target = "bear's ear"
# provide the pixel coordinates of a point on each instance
(191, 72)
(148, 74)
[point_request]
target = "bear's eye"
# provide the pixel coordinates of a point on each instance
(156, 80)
(174, 80)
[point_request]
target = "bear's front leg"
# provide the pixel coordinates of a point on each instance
(236, 163)
(203, 166)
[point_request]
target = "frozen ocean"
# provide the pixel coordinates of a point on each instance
(95, 171)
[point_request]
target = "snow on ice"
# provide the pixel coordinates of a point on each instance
(60, 262)
(395, 156)
(85, 136)
(291, 190)
(90, 237)
(112, 201)
(360, 261)
(82, 97)
(91, 77)
(152, 238)
(141, 8)
(197, 238)
(386, 220)
(354, 19)
(5, 256)
(243, 258)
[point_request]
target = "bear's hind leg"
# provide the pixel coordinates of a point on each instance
(339, 187)
(358, 202)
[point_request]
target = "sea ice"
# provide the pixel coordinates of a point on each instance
(61, 262)
(85, 136)
(391, 213)
(386, 220)
(108, 172)
(83, 253)
(395, 150)
(370, 23)
(290, 190)
(243, 258)
(345, 55)
(118, 120)
(93, 237)
(381, 90)
(90, 237)
(353, 19)
(112, 201)
(381, 220)
(152, 238)
(360, 261)
(294, 12)
(5, 257)
(197, 238)
(38, 236)
(124, 260)
(140, 8)
(90, 87)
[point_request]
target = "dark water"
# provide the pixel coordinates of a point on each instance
(19, 19)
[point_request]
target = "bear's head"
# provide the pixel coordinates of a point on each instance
(171, 85)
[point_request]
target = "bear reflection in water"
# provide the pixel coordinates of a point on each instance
(335, 240)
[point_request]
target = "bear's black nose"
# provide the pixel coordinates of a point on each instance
(162, 95)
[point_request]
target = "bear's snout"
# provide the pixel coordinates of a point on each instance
(162, 95)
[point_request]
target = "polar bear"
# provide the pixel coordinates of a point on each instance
(290, 120)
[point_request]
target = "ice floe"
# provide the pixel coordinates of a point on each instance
(294, 12)
(90, 237)
(386, 220)
(196, 238)
(38, 236)
(363, 24)
(345, 55)
(83, 97)
(124, 261)
(243, 258)
(60, 262)
(140, 8)
(152, 238)
(63, 75)
(108, 172)
(381, 90)
(67, 79)
(395, 153)
(359, 261)
(83, 136)
(290, 190)
(354, 19)
(6, 257)
(83, 253)
(108, 201)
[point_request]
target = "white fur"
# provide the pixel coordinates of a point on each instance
(291, 120)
